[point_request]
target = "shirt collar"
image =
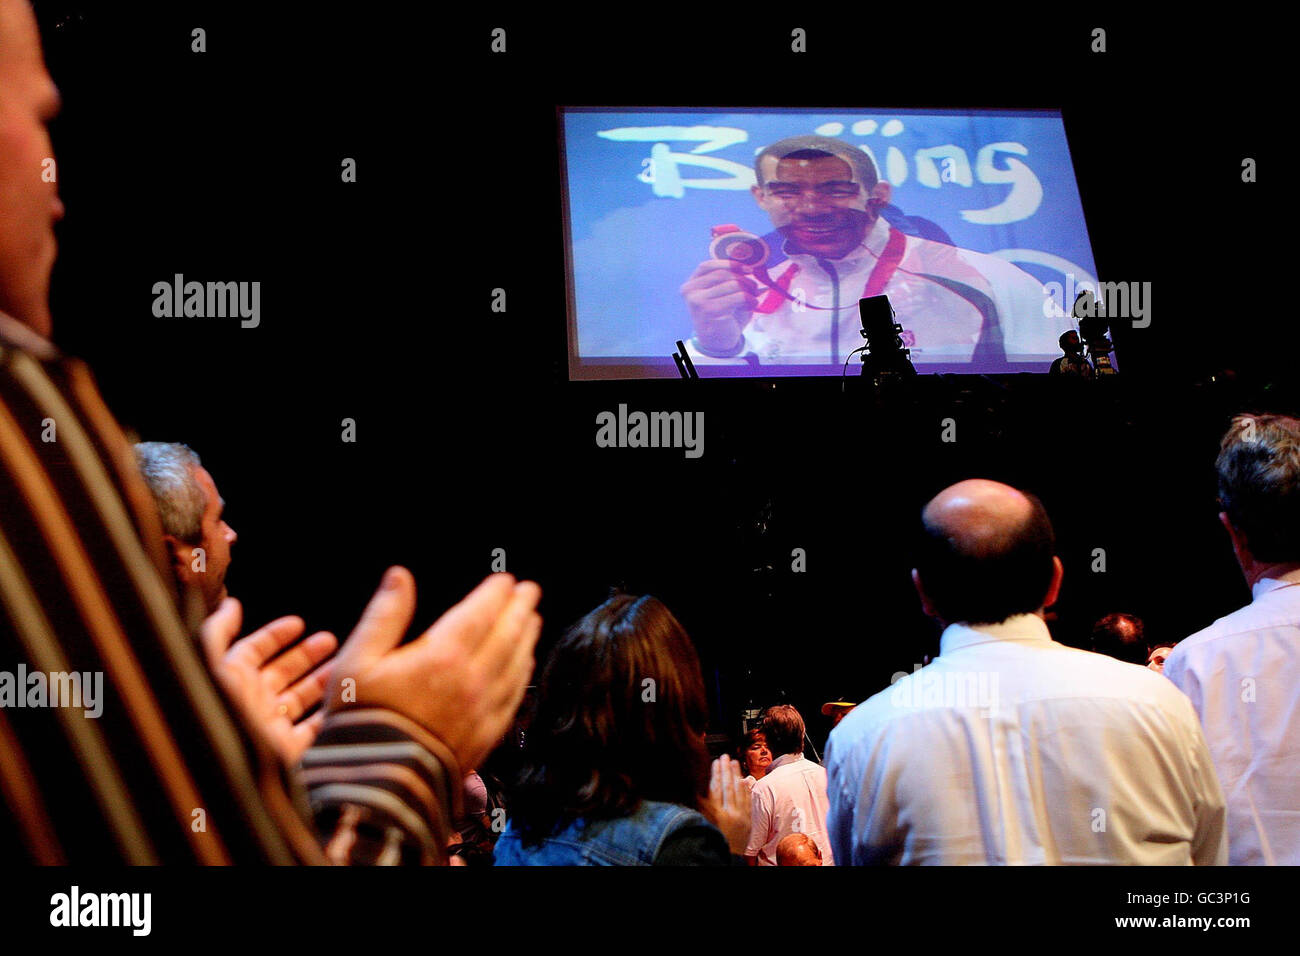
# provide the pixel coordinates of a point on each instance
(24, 337)
(1018, 627)
(872, 246)
(1278, 579)
(782, 760)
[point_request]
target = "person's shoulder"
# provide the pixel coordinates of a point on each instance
(801, 767)
(1238, 628)
(675, 814)
(1003, 273)
(775, 779)
(1208, 637)
(866, 722)
(691, 840)
(1130, 687)
(990, 263)
(656, 818)
(986, 262)
(1078, 667)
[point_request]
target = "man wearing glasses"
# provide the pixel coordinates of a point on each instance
(833, 247)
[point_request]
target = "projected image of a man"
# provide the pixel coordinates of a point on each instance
(833, 246)
(819, 202)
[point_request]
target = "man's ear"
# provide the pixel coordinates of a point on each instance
(178, 553)
(1239, 546)
(920, 592)
(1054, 590)
(882, 192)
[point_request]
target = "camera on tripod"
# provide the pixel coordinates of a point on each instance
(885, 359)
(1090, 312)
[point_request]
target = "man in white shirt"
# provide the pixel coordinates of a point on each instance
(1010, 748)
(825, 199)
(791, 796)
(1242, 672)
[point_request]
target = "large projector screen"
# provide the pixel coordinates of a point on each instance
(968, 220)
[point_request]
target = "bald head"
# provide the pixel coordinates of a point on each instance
(1122, 636)
(798, 849)
(978, 513)
(987, 552)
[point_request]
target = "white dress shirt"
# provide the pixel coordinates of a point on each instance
(940, 324)
(1012, 749)
(1242, 674)
(790, 798)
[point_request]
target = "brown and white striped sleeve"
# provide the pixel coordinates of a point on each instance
(165, 771)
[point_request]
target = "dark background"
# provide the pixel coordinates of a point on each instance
(376, 301)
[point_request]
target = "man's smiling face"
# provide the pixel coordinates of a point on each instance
(816, 203)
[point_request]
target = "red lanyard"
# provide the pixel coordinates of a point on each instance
(881, 273)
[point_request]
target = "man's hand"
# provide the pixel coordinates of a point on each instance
(731, 803)
(721, 297)
(274, 690)
(462, 679)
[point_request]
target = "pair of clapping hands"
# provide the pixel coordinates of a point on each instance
(461, 680)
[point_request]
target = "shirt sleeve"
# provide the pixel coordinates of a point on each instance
(736, 357)
(383, 791)
(839, 814)
(760, 821)
(869, 788)
(1210, 844)
(1180, 676)
(171, 774)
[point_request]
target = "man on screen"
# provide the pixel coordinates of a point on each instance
(834, 248)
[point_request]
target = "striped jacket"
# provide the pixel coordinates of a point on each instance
(165, 772)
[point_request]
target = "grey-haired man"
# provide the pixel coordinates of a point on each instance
(195, 533)
(1243, 671)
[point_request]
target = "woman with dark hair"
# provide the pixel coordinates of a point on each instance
(615, 769)
(755, 755)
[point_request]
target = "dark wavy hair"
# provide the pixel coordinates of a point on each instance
(620, 717)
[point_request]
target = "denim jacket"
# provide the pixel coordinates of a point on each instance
(633, 840)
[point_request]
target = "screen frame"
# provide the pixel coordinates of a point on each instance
(618, 368)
